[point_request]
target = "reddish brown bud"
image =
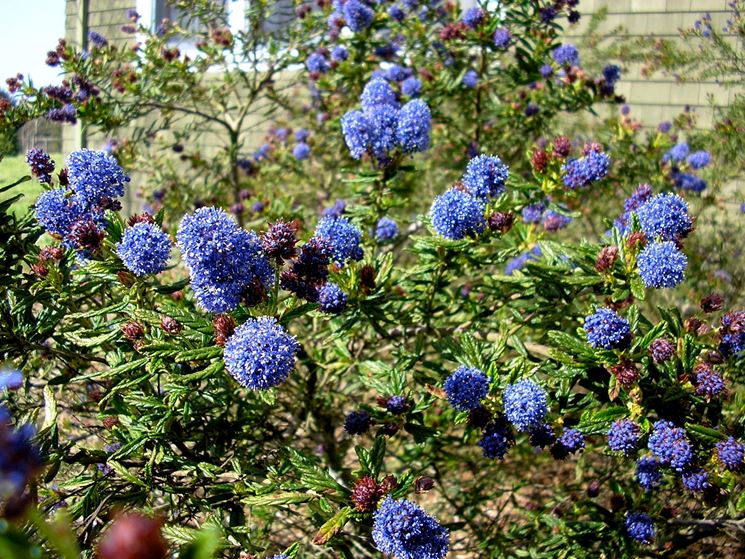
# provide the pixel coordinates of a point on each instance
(636, 240)
(365, 494)
(224, 326)
(539, 160)
(625, 372)
(171, 325)
(424, 484)
(712, 302)
(40, 269)
(501, 221)
(606, 258)
(110, 422)
(133, 536)
(367, 278)
(140, 218)
(133, 331)
(63, 177)
(388, 484)
(562, 146)
(51, 252)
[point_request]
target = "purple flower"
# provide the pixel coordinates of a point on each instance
(731, 453)
(566, 55)
(502, 38)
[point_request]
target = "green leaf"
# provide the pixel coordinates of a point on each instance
(333, 526)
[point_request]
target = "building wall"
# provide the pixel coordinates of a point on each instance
(658, 97)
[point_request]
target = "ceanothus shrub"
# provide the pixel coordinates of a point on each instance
(456, 358)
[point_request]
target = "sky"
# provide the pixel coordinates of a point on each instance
(30, 28)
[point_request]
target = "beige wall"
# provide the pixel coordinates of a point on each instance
(658, 97)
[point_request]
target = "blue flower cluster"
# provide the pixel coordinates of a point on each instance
(642, 193)
(19, 460)
(665, 216)
(699, 159)
(518, 262)
(624, 436)
(456, 214)
(590, 168)
(606, 330)
(382, 125)
(466, 388)
(357, 422)
(317, 63)
(485, 176)
(662, 264)
(42, 165)
(709, 383)
(470, 79)
(696, 480)
(474, 17)
(223, 259)
(677, 153)
(260, 354)
(405, 531)
(566, 55)
(332, 299)
(732, 334)
(386, 230)
(571, 440)
(731, 453)
(648, 472)
(670, 444)
(525, 404)
(343, 238)
(496, 440)
(144, 249)
(502, 38)
(357, 15)
(640, 527)
(95, 181)
(301, 151)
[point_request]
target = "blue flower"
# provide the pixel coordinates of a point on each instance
(566, 55)
(317, 63)
(502, 38)
(696, 480)
(332, 299)
(411, 87)
(339, 54)
(357, 422)
(260, 354)
(95, 177)
(57, 212)
(474, 17)
(661, 264)
(397, 73)
(414, 125)
(570, 441)
(590, 168)
(525, 404)
(677, 153)
(66, 113)
(642, 193)
(20, 459)
(343, 237)
(542, 435)
(466, 387)
(606, 330)
(357, 15)
(624, 436)
(301, 151)
(456, 214)
(485, 176)
(670, 444)
(731, 453)
(356, 130)
(405, 531)
(546, 70)
(687, 181)
(10, 379)
(382, 121)
(699, 159)
(732, 334)
(144, 249)
(648, 472)
(496, 440)
(640, 527)
(665, 216)
(42, 165)
(386, 230)
(553, 221)
(97, 39)
(222, 258)
(533, 212)
(397, 404)
(519, 262)
(378, 92)
(612, 74)
(396, 12)
(470, 79)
